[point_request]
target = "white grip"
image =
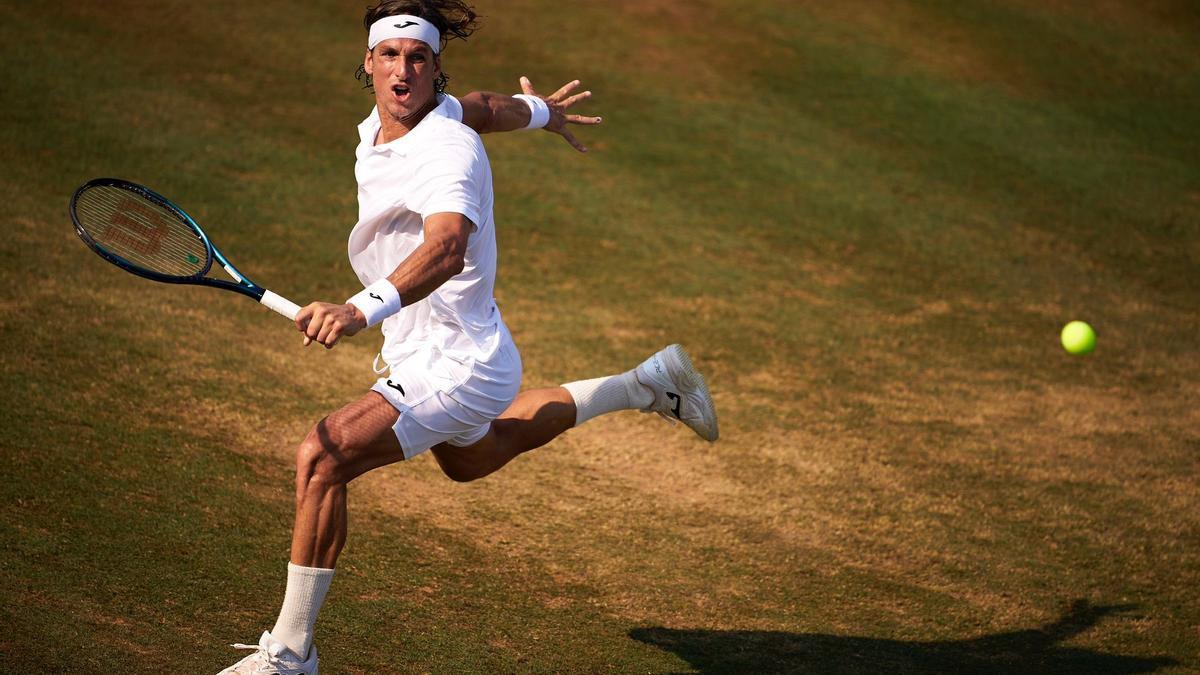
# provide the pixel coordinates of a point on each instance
(280, 304)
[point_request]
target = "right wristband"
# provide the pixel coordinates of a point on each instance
(377, 301)
(539, 112)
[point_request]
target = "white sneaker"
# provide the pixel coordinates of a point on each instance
(679, 391)
(273, 658)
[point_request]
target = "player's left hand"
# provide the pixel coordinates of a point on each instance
(558, 102)
(327, 323)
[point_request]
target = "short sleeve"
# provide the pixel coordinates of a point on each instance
(450, 179)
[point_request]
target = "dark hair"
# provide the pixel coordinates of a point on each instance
(452, 18)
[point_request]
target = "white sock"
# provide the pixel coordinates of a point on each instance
(608, 394)
(306, 589)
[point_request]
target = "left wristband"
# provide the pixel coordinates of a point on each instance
(377, 301)
(539, 112)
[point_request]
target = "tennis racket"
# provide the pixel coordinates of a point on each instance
(143, 232)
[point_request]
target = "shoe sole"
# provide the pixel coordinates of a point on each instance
(693, 379)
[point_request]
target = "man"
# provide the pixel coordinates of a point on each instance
(425, 249)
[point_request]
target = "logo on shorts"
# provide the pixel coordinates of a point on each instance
(397, 387)
(375, 296)
(678, 401)
(406, 24)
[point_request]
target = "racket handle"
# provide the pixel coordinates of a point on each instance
(280, 304)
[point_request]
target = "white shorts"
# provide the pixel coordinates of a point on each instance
(444, 399)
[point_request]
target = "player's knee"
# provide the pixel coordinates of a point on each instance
(320, 457)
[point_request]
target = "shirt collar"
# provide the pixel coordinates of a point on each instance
(369, 128)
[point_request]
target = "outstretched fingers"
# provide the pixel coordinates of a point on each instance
(558, 103)
(572, 100)
(580, 119)
(570, 138)
(564, 90)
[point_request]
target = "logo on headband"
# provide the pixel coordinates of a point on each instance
(403, 26)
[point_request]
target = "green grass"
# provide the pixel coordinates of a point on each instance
(866, 221)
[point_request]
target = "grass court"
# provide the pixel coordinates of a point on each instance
(867, 221)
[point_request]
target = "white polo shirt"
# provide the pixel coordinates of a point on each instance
(439, 166)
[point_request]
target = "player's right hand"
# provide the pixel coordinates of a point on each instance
(327, 323)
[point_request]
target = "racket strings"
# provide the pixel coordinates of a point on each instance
(143, 232)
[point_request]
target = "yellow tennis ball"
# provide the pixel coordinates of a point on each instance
(1078, 338)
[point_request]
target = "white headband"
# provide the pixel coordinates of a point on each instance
(404, 26)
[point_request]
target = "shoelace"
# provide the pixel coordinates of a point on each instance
(265, 657)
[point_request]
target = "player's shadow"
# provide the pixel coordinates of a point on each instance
(1037, 650)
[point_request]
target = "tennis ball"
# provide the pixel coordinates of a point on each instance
(1078, 338)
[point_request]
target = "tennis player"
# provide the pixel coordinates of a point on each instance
(425, 249)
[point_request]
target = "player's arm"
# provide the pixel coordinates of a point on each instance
(435, 261)
(488, 112)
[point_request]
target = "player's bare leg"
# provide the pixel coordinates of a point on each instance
(534, 419)
(666, 383)
(339, 448)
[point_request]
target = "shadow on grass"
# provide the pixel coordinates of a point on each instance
(1027, 651)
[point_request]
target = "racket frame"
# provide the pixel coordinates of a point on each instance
(242, 285)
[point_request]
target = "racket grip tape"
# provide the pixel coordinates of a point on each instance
(280, 304)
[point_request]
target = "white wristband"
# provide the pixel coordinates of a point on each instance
(377, 301)
(539, 112)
